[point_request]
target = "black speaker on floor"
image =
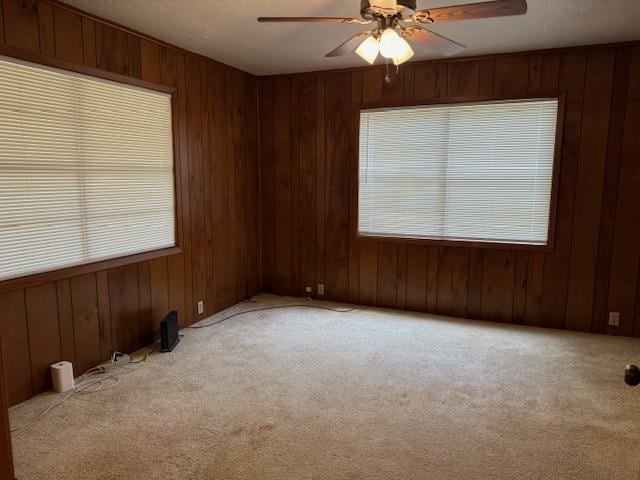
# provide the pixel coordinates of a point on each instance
(169, 337)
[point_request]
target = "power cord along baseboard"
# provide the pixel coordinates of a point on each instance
(122, 363)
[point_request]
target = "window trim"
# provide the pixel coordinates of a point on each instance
(84, 268)
(435, 241)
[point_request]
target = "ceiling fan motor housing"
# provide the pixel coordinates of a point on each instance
(411, 4)
(365, 7)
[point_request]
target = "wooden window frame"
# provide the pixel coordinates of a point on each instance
(442, 242)
(84, 268)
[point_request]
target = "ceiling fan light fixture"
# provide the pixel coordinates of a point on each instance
(403, 58)
(393, 45)
(369, 49)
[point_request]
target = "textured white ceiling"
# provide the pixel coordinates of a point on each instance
(226, 30)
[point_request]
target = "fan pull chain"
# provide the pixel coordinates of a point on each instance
(387, 78)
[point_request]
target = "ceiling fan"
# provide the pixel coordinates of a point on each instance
(396, 21)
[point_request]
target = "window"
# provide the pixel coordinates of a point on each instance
(86, 169)
(478, 172)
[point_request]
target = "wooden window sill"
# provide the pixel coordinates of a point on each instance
(52, 276)
(443, 242)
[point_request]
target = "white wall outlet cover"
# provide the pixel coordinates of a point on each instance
(321, 289)
(614, 319)
(200, 306)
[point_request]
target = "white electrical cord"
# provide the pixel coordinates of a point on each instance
(95, 376)
(43, 413)
(111, 370)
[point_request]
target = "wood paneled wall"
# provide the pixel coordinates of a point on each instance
(6, 457)
(308, 147)
(83, 318)
(303, 206)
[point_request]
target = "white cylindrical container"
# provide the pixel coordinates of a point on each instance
(62, 376)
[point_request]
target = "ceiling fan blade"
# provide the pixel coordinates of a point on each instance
(350, 45)
(496, 8)
(438, 42)
(311, 19)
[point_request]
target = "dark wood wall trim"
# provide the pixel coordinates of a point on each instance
(42, 59)
(6, 457)
(78, 270)
(83, 313)
(593, 267)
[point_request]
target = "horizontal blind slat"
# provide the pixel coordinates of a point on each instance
(86, 169)
(479, 171)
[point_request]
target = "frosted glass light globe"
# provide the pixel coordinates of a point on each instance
(368, 50)
(393, 45)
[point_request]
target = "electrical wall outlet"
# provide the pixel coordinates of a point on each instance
(614, 319)
(308, 289)
(321, 289)
(200, 307)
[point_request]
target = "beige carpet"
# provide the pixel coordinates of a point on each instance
(372, 394)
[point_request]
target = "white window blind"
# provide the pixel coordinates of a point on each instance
(476, 171)
(86, 169)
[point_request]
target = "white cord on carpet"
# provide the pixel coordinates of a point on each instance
(110, 371)
(104, 372)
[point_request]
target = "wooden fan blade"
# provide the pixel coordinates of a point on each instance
(438, 42)
(310, 19)
(350, 45)
(496, 8)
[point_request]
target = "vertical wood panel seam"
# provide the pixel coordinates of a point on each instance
(26, 319)
(274, 195)
(37, 9)
(349, 199)
(378, 263)
(577, 175)
(84, 47)
(55, 41)
(635, 330)
(28, 353)
(493, 75)
(139, 314)
(603, 180)
(294, 185)
(595, 321)
(60, 329)
(426, 277)
(276, 213)
(438, 268)
(111, 322)
(95, 43)
(324, 186)
(259, 173)
(3, 37)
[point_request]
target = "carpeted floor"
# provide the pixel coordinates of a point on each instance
(372, 394)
